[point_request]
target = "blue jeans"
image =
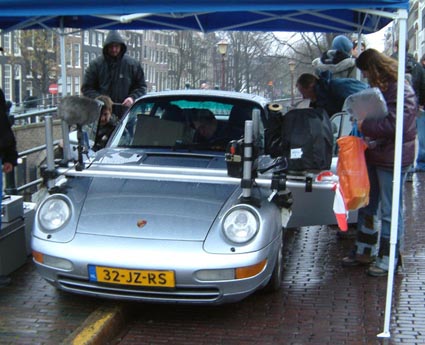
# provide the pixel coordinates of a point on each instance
(420, 126)
(376, 216)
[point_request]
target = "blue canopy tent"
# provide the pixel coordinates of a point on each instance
(203, 15)
(362, 16)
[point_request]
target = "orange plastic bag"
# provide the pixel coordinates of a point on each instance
(352, 171)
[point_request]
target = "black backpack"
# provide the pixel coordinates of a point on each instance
(303, 136)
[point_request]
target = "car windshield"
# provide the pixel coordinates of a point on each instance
(188, 123)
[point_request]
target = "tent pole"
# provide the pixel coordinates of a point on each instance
(359, 45)
(397, 168)
(63, 60)
(65, 128)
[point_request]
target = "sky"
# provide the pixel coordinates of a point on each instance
(375, 40)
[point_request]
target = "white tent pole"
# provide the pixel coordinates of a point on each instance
(67, 156)
(63, 61)
(359, 45)
(402, 16)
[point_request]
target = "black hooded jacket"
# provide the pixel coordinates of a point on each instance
(417, 74)
(418, 77)
(117, 78)
(8, 151)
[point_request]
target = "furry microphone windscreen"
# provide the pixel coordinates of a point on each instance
(79, 110)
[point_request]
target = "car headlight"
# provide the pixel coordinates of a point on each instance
(54, 213)
(240, 225)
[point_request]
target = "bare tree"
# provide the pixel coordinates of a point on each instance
(245, 52)
(38, 57)
(256, 62)
(305, 47)
(193, 59)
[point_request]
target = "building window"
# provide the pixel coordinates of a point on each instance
(153, 73)
(16, 40)
(86, 38)
(18, 71)
(76, 55)
(77, 85)
(7, 43)
(68, 55)
(68, 85)
(86, 59)
(100, 39)
(7, 86)
(29, 89)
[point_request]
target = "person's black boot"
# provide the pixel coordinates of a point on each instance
(380, 268)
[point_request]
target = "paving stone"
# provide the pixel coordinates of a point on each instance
(320, 302)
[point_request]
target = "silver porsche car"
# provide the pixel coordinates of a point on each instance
(177, 207)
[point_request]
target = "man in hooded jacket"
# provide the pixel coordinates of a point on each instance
(115, 74)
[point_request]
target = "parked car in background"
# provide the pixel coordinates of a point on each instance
(161, 215)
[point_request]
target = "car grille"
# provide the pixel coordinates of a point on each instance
(138, 293)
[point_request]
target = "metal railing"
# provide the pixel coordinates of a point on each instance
(16, 182)
(30, 115)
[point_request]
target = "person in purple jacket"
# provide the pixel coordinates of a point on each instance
(379, 133)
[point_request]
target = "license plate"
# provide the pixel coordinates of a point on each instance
(122, 276)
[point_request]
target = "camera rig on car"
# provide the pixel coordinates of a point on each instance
(242, 162)
(247, 165)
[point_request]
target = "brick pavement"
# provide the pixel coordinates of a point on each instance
(320, 302)
(33, 312)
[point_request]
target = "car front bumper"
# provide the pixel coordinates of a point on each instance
(185, 258)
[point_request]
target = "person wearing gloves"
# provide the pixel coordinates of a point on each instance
(115, 74)
(338, 60)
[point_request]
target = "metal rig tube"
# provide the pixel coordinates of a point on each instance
(66, 144)
(247, 161)
(50, 158)
(160, 174)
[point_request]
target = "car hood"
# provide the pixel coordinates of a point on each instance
(152, 209)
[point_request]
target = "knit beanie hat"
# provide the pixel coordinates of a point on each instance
(342, 43)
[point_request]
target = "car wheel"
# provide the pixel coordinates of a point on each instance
(277, 275)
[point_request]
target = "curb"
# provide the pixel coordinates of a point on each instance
(101, 326)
